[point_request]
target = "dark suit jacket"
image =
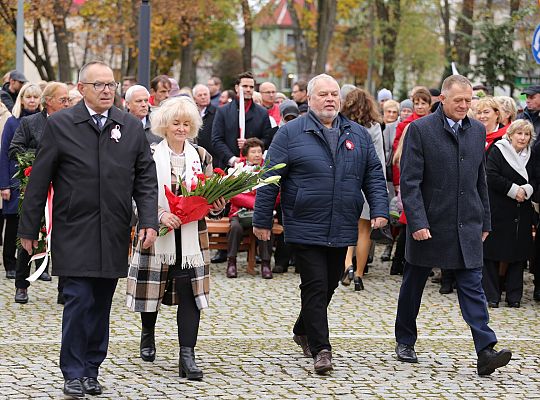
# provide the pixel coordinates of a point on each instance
(443, 188)
(204, 138)
(225, 130)
(28, 134)
(94, 179)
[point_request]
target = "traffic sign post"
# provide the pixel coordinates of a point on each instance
(536, 44)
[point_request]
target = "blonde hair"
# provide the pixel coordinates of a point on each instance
(489, 102)
(521, 125)
(399, 148)
(31, 89)
(176, 108)
(507, 105)
(390, 104)
(50, 90)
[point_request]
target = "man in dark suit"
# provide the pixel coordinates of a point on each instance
(137, 103)
(225, 131)
(98, 159)
(444, 193)
(201, 95)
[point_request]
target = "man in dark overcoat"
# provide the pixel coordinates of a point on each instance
(444, 193)
(330, 161)
(98, 159)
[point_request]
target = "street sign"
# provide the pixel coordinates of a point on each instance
(536, 44)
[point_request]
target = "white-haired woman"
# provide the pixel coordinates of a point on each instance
(510, 187)
(176, 270)
(27, 103)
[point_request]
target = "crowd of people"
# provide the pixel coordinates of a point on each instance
(454, 172)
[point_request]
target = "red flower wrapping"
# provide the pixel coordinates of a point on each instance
(188, 209)
(27, 171)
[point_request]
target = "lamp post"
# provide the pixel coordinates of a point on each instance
(143, 74)
(19, 61)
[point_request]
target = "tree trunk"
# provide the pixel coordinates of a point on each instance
(389, 15)
(61, 9)
(186, 58)
(463, 36)
(325, 30)
(302, 50)
(248, 28)
(514, 6)
(445, 16)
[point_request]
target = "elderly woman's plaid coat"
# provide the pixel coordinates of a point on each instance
(147, 283)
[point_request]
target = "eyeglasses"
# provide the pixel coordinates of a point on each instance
(63, 100)
(100, 86)
(268, 92)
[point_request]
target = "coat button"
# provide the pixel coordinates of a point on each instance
(461, 158)
(516, 220)
(331, 166)
(460, 225)
(462, 193)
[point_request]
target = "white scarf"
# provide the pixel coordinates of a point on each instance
(517, 161)
(165, 250)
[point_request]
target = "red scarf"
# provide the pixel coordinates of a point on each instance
(492, 137)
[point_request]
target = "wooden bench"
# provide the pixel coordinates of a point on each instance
(217, 234)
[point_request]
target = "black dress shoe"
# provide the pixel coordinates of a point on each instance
(489, 360)
(92, 386)
(493, 304)
(446, 289)
(45, 277)
(21, 296)
(219, 257)
(514, 304)
(74, 388)
(406, 353)
(10, 274)
(536, 293)
(279, 269)
(187, 367)
(348, 276)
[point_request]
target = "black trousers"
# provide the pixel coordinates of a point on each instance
(513, 281)
(85, 325)
(471, 301)
(10, 242)
(188, 314)
(320, 270)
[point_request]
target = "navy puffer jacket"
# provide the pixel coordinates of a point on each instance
(321, 197)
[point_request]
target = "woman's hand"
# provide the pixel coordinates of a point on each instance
(521, 195)
(170, 220)
(218, 205)
(6, 194)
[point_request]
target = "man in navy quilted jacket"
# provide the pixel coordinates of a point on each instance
(329, 161)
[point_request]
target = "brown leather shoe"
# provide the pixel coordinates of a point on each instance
(266, 271)
(301, 340)
(323, 362)
(231, 268)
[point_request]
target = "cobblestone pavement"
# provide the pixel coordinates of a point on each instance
(246, 350)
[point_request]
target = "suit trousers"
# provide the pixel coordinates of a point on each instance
(513, 281)
(10, 242)
(85, 325)
(321, 268)
(472, 302)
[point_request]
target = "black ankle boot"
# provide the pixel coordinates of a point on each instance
(187, 367)
(148, 345)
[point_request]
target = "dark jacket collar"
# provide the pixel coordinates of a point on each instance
(465, 122)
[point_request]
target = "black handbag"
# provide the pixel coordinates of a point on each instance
(382, 235)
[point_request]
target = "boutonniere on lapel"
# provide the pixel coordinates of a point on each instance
(349, 145)
(115, 133)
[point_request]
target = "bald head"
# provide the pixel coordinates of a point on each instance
(268, 93)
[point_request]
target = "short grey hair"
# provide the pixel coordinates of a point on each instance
(84, 68)
(454, 80)
(199, 86)
(319, 77)
(135, 88)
